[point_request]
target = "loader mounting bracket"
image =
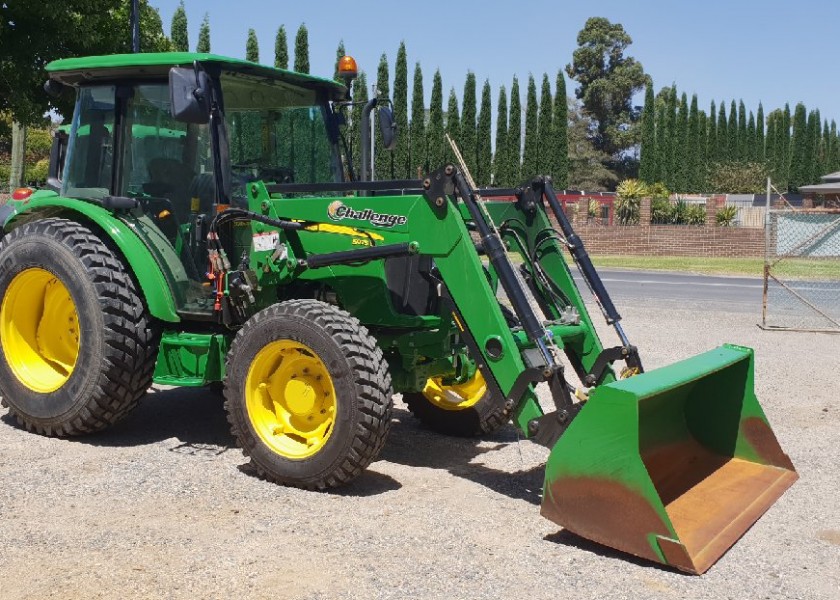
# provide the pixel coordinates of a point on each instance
(629, 354)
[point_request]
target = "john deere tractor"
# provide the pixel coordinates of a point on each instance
(203, 224)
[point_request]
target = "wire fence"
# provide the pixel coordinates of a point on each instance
(802, 270)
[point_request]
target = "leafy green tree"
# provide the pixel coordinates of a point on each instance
(825, 143)
(799, 169)
(302, 49)
(252, 47)
(607, 80)
(722, 151)
(833, 148)
(360, 98)
(203, 44)
(700, 178)
(469, 136)
(500, 156)
(760, 142)
(178, 30)
(529, 156)
(732, 134)
(383, 159)
(514, 140)
(545, 129)
(436, 142)
(418, 154)
(813, 136)
(560, 137)
(402, 164)
(587, 170)
(752, 141)
(785, 158)
(281, 49)
(692, 171)
(647, 161)
(484, 142)
(743, 138)
(681, 147)
(453, 123)
(739, 178)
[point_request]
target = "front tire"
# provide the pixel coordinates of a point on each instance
(78, 347)
(308, 394)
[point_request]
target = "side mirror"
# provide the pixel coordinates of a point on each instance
(387, 127)
(189, 95)
(53, 88)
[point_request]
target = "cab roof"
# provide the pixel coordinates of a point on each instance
(76, 71)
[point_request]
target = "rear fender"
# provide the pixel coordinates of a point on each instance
(149, 274)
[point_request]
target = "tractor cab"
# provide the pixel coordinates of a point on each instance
(128, 145)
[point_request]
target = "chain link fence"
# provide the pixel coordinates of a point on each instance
(802, 270)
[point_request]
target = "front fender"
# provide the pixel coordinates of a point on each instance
(149, 274)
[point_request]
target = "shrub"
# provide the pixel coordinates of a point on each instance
(37, 174)
(725, 217)
(696, 215)
(660, 211)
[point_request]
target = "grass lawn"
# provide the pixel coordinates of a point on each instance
(794, 268)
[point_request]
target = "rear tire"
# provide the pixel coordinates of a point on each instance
(308, 394)
(78, 347)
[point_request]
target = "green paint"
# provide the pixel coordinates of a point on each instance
(191, 359)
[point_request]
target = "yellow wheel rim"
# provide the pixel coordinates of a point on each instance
(290, 399)
(39, 329)
(455, 397)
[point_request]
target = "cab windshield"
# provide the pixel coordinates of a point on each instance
(277, 133)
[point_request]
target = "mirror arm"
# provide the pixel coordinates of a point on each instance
(364, 158)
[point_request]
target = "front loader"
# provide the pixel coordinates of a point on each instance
(204, 224)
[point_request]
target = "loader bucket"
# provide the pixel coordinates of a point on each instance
(673, 465)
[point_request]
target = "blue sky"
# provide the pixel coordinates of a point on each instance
(771, 51)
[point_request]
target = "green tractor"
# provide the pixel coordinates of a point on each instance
(202, 225)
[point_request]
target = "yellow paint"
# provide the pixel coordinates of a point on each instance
(39, 330)
(455, 397)
(343, 230)
(290, 399)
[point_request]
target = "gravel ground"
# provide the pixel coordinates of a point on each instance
(161, 505)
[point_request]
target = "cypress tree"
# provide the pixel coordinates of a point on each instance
(825, 145)
(360, 98)
(514, 147)
(544, 129)
(681, 148)
(722, 149)
(204, 35)
(647, 159)
(813, 133)
(770, 150)
(384, 158)
(281, 49)
(785, 157)
(743, 138)
(467, 144)
(671, 140)
(711, 135)
(560, 137)
(484, 142)
(417, 127)
(799, 169)
(661, 162)
(752, 141)
(733, 143)
(782, 164)
(701, 174)
(178, 31)
(453, 123)
(693, 148)
(529, 158)
(302, 49)
(760, 142)
(833, 149)
(500, 155)
(252, 48)
(339, 53)
(436, 142)
(402, 164)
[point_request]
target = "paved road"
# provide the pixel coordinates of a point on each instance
(739, 293)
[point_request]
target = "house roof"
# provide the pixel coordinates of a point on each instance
(821, 188)
(831, 177)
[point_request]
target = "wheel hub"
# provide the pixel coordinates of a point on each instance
(39, 328)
